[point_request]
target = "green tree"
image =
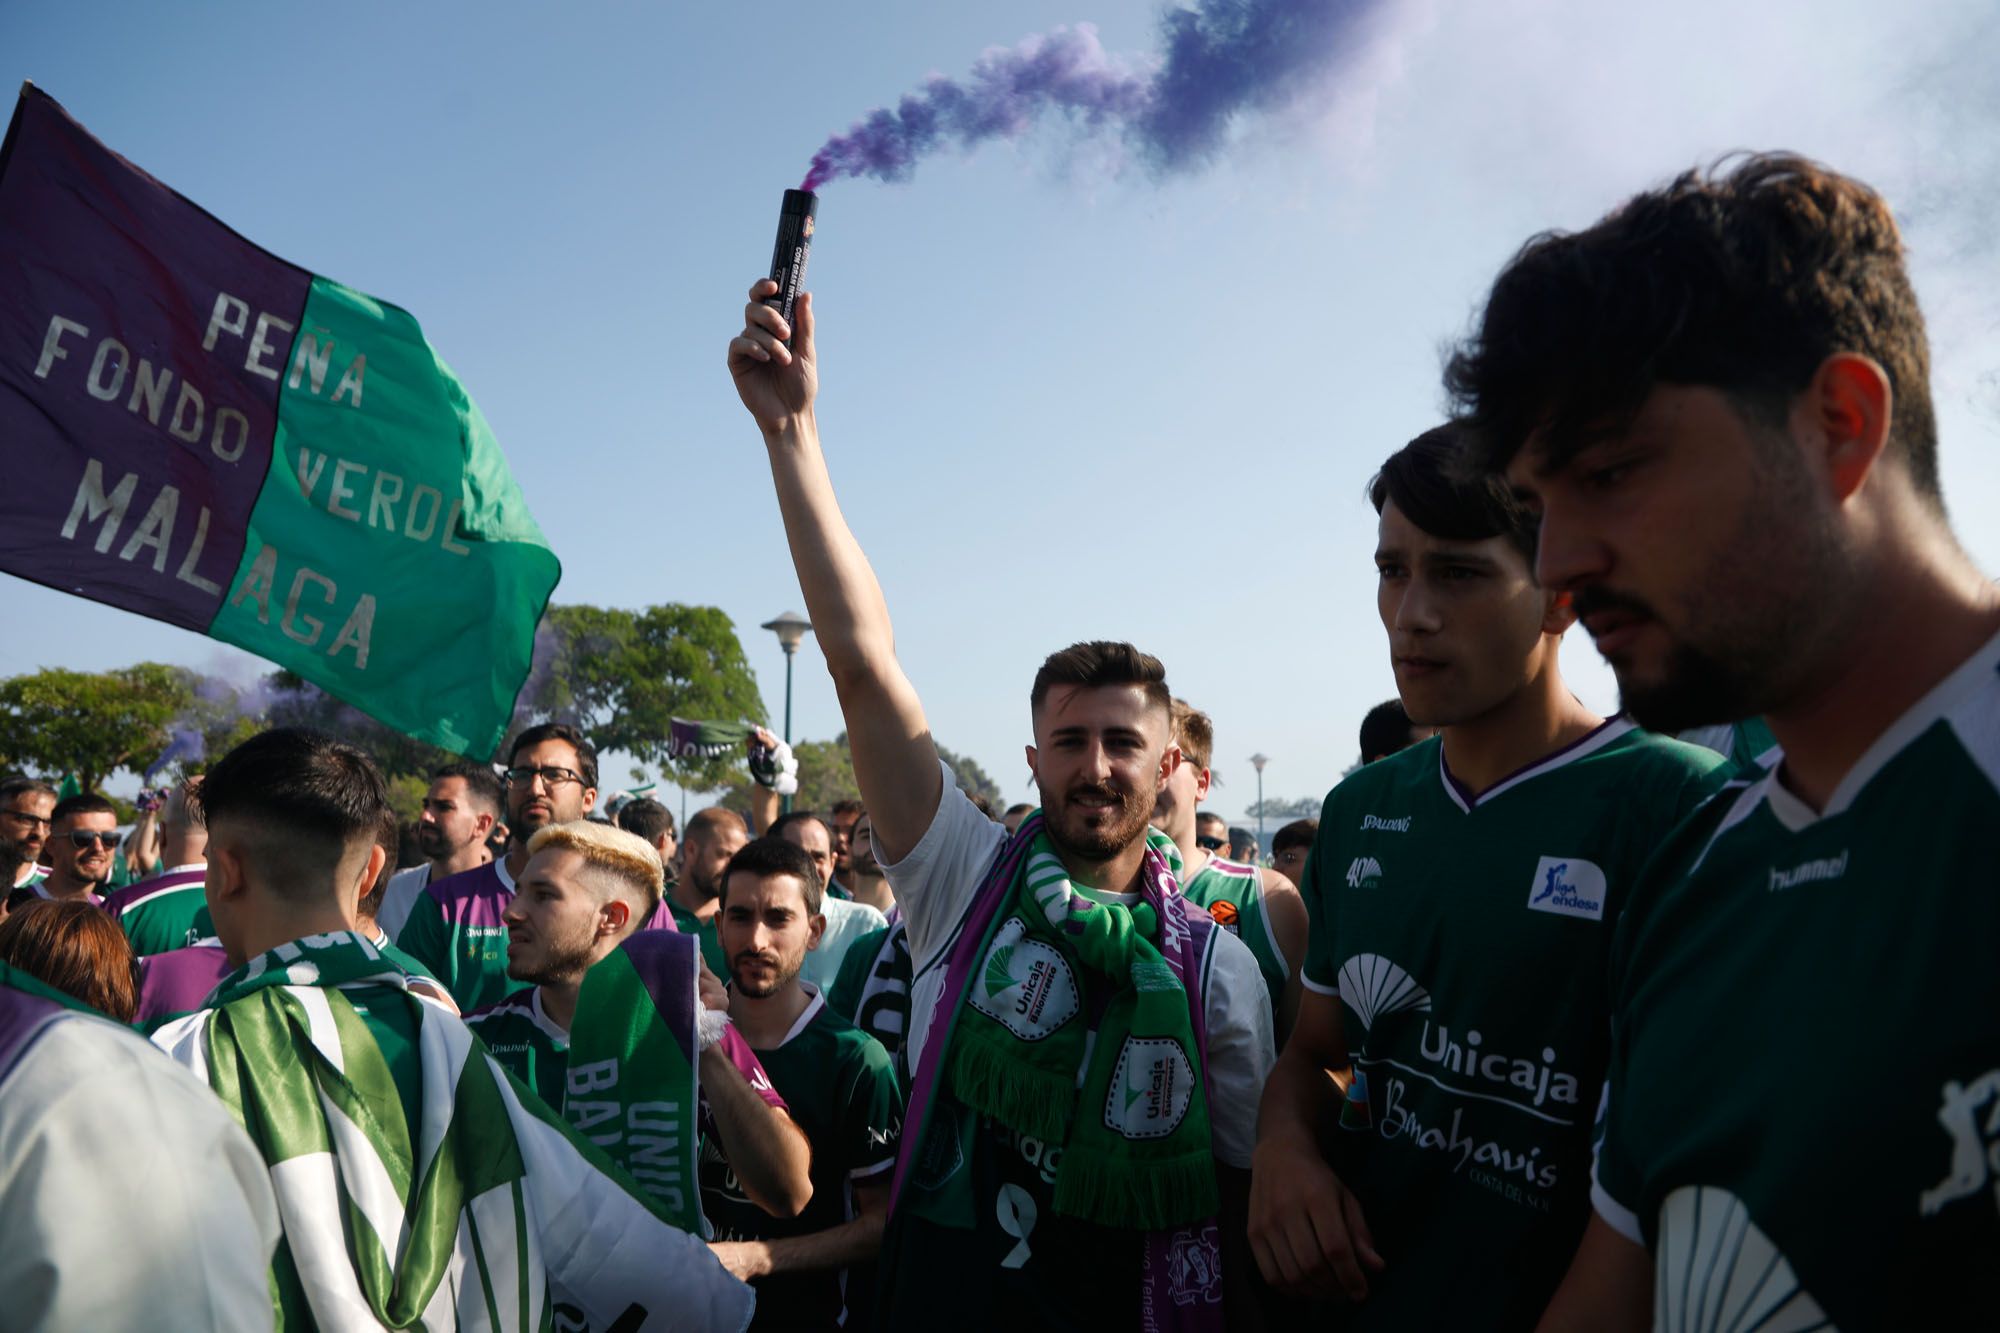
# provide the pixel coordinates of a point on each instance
(972, 779)
(1278, 807)
(89, 723)
(621, 677)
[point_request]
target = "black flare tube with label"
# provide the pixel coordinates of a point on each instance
(788, 259)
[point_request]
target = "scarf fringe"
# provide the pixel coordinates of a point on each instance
(1153, 1195)
(1031, 1101)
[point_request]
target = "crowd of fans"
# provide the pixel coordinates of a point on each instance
(1541, 1022)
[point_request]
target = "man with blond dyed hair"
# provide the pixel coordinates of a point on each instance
(585, 889)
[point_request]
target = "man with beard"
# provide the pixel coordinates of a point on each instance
(841, 817)
(456, 927)
(26, 808)
(1463, 892)
(1088, 1048)
(1258, 906)
(83, 842)
(461, 810)
(839, 1084)
(1718, 398)
(713, 836)
(844, 922)
(873, 988)
(587, 887)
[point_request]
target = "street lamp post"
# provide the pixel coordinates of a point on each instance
(1257, 761)
(791, 629)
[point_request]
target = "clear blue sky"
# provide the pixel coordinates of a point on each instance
(1060, 400)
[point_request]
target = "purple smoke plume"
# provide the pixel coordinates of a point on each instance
(1219, 58)
(187, 743)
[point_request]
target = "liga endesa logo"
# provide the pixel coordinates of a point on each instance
(1151, 1089)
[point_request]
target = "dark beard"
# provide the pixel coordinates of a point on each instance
(781, 978)
(1134, 817)
(564, 963)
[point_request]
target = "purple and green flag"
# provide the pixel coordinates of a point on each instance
(200, 432)
(688, 739)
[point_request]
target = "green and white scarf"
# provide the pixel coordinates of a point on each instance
(1130, 1108)
(485, 1214)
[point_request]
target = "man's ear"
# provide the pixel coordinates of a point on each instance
(224, 879)
(815, 928)
(1203, 778)
(589, 799)
(613, 916)
(484, 823)
(1029, 750)
(1558, 612)
(1169, 761)
(1848, 408)
(371, 869)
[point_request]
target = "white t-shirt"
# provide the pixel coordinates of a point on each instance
(172, 1227)
(935, 886)
(846, 922)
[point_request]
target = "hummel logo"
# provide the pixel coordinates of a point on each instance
(1364, 873)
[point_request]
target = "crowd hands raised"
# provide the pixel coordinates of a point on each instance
(1549, 1020)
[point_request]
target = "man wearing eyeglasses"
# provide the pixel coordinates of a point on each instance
(82, 841)
(26, 807)
(455, 927)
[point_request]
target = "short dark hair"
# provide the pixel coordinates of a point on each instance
(482, 784)
(13, 788)
(1210, 817)
(1298, 833)
(1744, 278)
(1384, 731)
(785, 821)
(1102, 662)
(770, 856)
(586, 753)
(310, 795)
(1435, 482)
(1194, 733)
(646, 817)
(1021, 808)
(847, 806)
(83, 803)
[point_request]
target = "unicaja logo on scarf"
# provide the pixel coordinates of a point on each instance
(1025, 984)
(1150, 1090)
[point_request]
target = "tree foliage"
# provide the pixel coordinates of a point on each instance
(91, 723)
(972, 779)
(1278, 807)
(621, 677)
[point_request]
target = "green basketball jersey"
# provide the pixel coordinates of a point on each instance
(526, 1041)
(1804, 1106)
(1233, 893)
(705, 935)
(842, 1090)
(1748, 745)
(1466, 938)
(163, 913)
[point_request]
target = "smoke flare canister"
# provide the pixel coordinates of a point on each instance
(788, 259)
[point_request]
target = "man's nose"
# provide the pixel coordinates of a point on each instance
(1569, 553)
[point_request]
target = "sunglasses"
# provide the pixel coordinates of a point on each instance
(1210, 844)
(81, 839)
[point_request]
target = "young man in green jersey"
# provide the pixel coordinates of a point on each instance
(1258, 906)
(1086, 1045)
(461, 809)
(1463, 893)
(838, 1082)
(1718, 399)
(585, 888)
(167, 911)
(83, 842)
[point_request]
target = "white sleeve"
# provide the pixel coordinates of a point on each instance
(163, 1218)
(1241, 1049)
(401, 894)
(936, 883)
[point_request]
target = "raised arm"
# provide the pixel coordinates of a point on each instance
(895, 761)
